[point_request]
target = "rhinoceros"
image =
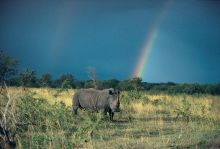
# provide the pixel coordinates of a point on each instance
(106, 100)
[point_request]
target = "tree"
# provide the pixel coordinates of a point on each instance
(45, 80)
(79, 84)
(7, 68)
(136, 83)
(28, 78)
(113, 83)
(92, 75)
(125, 85)
(213, 89)
(67, 81)
(88, 84)
(100, 84)
(14, 81)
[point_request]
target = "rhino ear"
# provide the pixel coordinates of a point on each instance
(111, 92)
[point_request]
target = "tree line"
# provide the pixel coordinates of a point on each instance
(28, 78)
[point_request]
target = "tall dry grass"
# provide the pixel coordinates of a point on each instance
(146, 121)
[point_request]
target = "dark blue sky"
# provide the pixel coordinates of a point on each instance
(68, 36)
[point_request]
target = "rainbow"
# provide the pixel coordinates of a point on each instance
(149, 43)
(145, 53)
(63, 24)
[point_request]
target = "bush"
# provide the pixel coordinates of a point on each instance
(41, 115)
(42, 124)
(184, 110)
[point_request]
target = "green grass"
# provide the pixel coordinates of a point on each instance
(146, 121)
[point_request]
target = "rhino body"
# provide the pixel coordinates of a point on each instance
(106, 100)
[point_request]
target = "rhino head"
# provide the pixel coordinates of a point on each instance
(114, 102)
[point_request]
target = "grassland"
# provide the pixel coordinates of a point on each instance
(146, 121)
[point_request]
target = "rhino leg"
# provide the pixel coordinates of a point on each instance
(111, 114)
(104, 112)
(75, 108)
(76, 104)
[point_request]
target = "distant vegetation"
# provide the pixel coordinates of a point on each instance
(68, 81)
(29, 78)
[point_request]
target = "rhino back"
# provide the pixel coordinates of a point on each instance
(91, 98)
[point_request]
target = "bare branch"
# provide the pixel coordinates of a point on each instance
(92, 75)
(8, 103)
(5, 133)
